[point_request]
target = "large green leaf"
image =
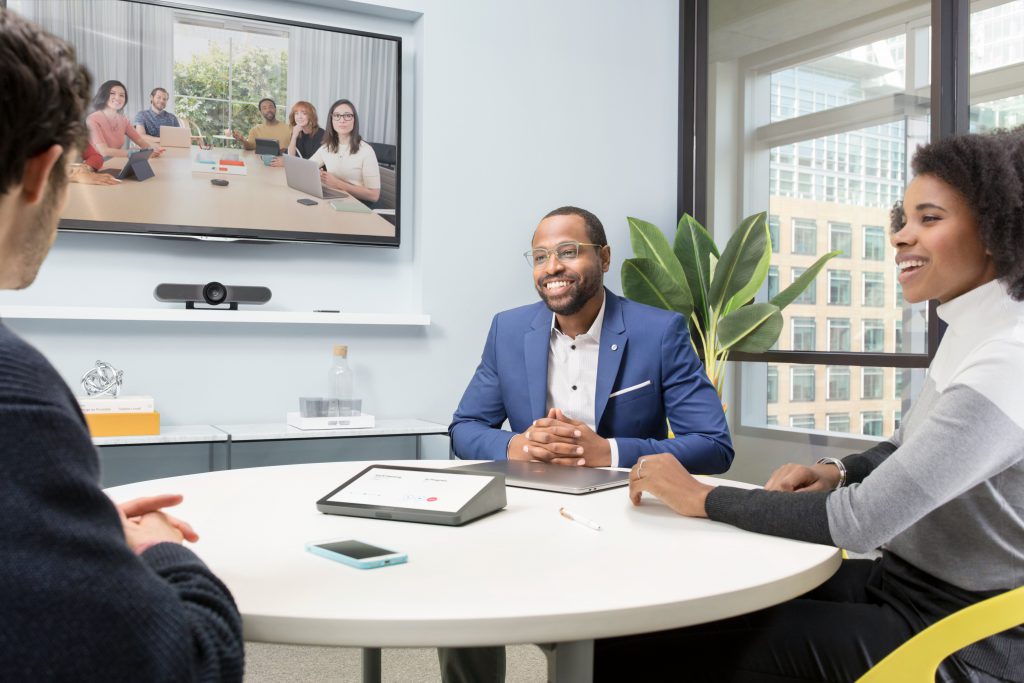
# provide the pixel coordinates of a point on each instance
(752, 328)
(756, 280)
(739, 261)
(693, 248)
(645, 281)
(650, 242)
(786, 296)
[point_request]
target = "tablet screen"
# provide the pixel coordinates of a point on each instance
(412, 489)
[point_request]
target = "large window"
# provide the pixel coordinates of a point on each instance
(828, 140)
(221, 74)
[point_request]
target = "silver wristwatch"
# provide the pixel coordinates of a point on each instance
(839, 466)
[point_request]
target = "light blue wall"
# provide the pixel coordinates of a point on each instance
(510, 109)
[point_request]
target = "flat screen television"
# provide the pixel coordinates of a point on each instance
(216, 71)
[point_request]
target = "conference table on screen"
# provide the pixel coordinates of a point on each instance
(178, 198)
(522, 575)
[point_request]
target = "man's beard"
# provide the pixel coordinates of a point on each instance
(39, 237)
(586, 289)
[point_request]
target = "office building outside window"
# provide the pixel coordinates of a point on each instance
(809, 295)
(773, 232)
(803, 421)
(832, 138)
(773, 281)
(773, 384)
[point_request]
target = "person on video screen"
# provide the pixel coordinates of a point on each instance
(307, 135)
(347, 162)
(148, 121)
(108, 126)
(85, 172)
(270, 128)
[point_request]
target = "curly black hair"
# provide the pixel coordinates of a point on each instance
(987, 170)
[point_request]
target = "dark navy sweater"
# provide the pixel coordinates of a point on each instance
(76, 604)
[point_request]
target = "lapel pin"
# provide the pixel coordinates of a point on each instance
(615, 347)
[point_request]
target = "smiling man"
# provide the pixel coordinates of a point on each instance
(585, 377)
(148, 121)
(270, 128)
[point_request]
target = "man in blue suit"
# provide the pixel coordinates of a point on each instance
(586, 377)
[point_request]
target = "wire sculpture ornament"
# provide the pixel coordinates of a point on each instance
(103, 380)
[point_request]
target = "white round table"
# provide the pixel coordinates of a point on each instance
(522, 575)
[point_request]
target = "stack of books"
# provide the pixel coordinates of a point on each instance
(121, 416)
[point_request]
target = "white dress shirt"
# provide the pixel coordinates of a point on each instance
(572, 374)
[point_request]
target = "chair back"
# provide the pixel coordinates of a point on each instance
(387, 155)
(917, 660)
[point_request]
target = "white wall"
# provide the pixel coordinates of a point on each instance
(510, 109)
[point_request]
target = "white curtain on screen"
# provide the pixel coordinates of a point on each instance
(122, 41)
(324, 66)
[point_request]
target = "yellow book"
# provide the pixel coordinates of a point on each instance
(123, 424)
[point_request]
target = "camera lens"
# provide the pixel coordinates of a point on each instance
(215, 293)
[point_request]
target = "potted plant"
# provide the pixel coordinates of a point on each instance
(714, 291)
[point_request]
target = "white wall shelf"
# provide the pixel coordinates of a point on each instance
(209, 316)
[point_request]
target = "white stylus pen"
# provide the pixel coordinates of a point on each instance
(579, 520)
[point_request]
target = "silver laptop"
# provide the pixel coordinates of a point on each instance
(304, 175)
(175, 136)
(545, 477)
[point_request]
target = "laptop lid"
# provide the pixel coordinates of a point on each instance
(545, 477)
(304, 175)
(175, 136)
(268, 146)
(137, 166)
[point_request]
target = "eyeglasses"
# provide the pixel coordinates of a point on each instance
(338, 116)
(563, 251)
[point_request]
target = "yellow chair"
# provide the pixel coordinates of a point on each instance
(916, 660)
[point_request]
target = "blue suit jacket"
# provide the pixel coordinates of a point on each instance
(649, 344)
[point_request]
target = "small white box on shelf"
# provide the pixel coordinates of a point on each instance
(361, 421)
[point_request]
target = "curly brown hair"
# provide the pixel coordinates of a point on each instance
(987, 170)
(45, 90)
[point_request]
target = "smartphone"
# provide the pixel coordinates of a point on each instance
(307, 202)
(356, 553)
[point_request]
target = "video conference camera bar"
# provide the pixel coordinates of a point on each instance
(214, 294)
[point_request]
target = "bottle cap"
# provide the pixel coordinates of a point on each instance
(341, 350)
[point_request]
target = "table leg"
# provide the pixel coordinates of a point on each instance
(571, 662)
(371, 665)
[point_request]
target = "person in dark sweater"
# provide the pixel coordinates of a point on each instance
(943, 498)
(90, 591)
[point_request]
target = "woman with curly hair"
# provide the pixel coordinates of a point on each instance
(943, 498)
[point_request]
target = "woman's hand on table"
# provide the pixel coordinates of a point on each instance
(664, 478)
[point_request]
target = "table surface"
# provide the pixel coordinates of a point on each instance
(522, 575)
(178, 197)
